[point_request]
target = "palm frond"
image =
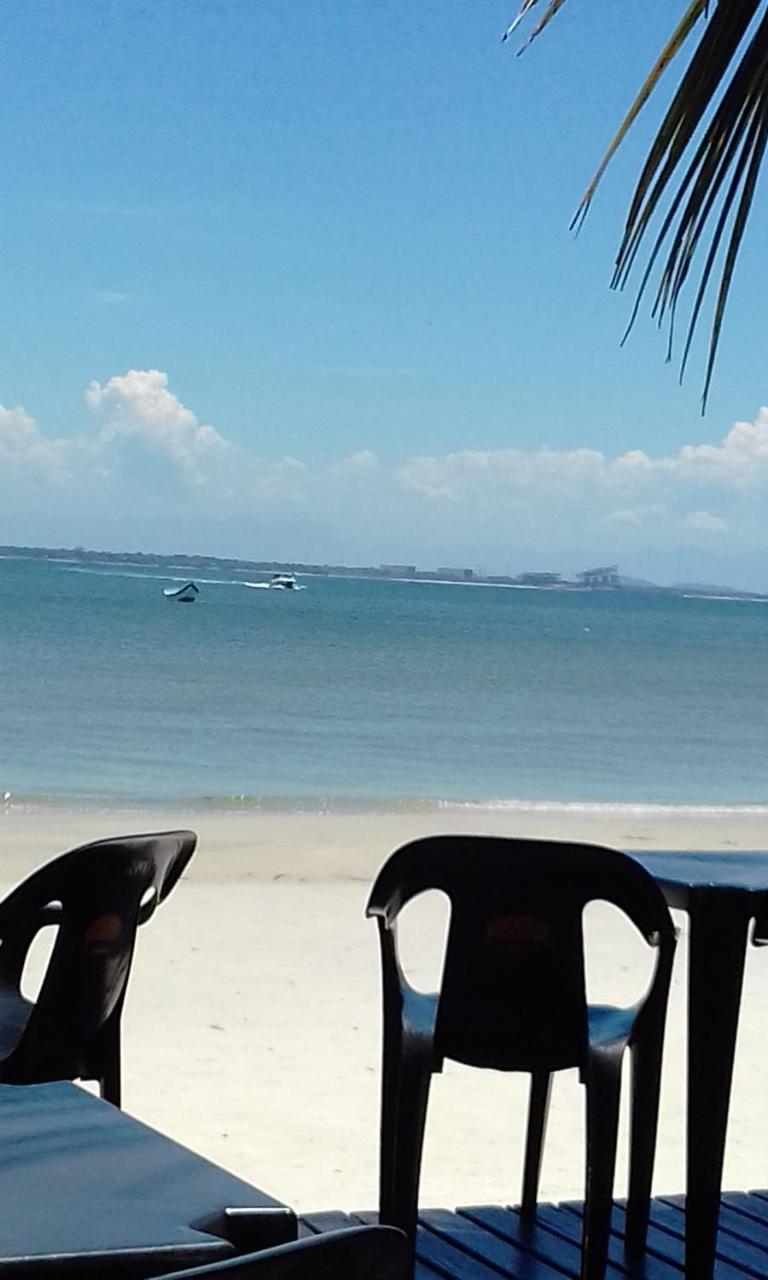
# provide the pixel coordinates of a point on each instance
(518, 18)
(703, 162)
(523, 12)
(755, 158)
(673, 46)
(546, 17)
(697, 90)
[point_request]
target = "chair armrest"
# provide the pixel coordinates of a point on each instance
(388, 894)
(383, 906)
(760, 927)
(655, 938)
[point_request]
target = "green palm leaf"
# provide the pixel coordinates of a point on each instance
(703, 162)
(671, 48)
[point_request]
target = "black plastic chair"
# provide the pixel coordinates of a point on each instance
(97, 896)
(361, 1253)
(513, 998)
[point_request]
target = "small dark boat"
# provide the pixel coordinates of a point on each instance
(184, 595)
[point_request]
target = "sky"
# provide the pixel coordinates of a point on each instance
(296, 282)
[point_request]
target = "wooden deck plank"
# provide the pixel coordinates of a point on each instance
(556, 1237)
(438, 1255)
(421, 1271)
(315, 1224)
(747, 1203)
(504, 1254)
(734, 1222)
(665, 1240)
(746, 1255)
(453, 1262)
(553, 1251)
(489, 1242)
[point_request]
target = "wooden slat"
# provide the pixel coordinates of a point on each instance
(665, 1240)
(556, 1238)
(736, 1256)
(748, 1203)
(746, 1256)
(488, 1242)
(507, 1257)
(733, 1221)
(432, 1259)
(330, 1220)
(421, 1271)
(552, 1250)
(451, 1261)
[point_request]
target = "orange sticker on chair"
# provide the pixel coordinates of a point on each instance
(507, 931)
(103, 929)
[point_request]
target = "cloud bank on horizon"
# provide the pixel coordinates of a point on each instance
(144, 456)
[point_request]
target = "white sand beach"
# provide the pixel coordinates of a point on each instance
(251, 1030)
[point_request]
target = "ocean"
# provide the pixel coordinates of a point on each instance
(373, 695)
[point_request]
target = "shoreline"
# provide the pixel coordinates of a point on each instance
(366, 806)
(257, 845)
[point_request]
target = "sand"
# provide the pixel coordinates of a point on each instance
(251, 1030)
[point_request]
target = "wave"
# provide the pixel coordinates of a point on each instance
(699, 595)
(608, 807)
(361, 805)
(149, 576)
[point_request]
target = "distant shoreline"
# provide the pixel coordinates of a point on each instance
(531, 581)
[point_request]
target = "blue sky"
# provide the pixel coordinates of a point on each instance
(340, 232)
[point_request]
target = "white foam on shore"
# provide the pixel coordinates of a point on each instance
(380, 806)
(606, 807)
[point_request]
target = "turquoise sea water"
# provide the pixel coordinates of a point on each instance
(358, 694)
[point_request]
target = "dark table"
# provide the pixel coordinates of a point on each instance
(87, 1190)
(722, 893)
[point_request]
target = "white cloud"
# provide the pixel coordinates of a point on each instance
(629, 515)
(362, 465)
(138, 407)
(25, 452)
(704, 522)
(142, 450)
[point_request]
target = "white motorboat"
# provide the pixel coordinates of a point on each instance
(278, 582)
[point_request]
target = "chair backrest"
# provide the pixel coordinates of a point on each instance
(513, 991)
(101, 893)
(361, 1253)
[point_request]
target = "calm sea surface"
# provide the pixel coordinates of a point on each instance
(352, 694)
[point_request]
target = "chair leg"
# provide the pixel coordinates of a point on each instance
(388, 1124)
(603, 1083)
(110, 1082)
(646, 1084)
(538, 1109)
(404, 1112)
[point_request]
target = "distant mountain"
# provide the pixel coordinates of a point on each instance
(707, 589)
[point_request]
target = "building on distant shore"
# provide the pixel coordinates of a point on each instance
(458, 575)
(398, 570)
(607, 576)
(540, 579)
